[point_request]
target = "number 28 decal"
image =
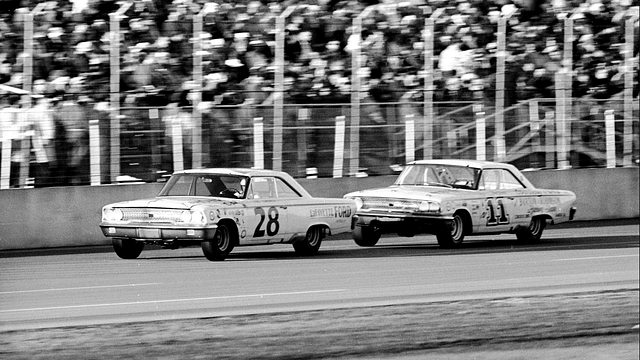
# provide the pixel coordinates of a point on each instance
(272, 226)
(497, 215)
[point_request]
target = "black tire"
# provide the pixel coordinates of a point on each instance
(127, 248)
(451, 236)
(311, 242)
(220, 246)
(533, 233)
(367, 236)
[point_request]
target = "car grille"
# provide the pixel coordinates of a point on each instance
(390, 204)
(151, 215)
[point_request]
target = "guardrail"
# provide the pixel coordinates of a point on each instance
(317, 140)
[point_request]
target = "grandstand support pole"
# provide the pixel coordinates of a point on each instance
(356, 93)
(356, 85)
(26, 99)
(500, 151)
(567, 56)
(427, 129)
(278, 87)
(627, 136)
(114, 88)
(196, 111)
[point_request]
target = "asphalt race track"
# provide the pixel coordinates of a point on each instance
(42, 289)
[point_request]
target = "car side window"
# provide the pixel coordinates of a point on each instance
(262, 188)
(509, 181)
(489, 180)
(284, 190)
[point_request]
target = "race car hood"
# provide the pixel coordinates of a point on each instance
(168, 202)
(410, 192)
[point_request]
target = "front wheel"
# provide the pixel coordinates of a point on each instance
(533, 233)
(311, 242)
(452, 236)
(220, 246)
(367, 236)
(127, 248)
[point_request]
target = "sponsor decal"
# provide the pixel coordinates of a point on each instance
(322, 212)
(538, 200)
(342, 211)
(331, 212)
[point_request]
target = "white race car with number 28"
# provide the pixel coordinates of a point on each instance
(219, 209)
(457, 198)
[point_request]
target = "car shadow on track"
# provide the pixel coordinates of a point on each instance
(419, 247)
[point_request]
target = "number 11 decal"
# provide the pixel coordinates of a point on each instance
(497, 213)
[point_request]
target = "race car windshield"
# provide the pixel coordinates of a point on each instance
(211, 185)
(439, 175)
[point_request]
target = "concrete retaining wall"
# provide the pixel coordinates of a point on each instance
(57, 217)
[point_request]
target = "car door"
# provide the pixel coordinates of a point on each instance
(267, 216)
(498, 201)
(519, 199)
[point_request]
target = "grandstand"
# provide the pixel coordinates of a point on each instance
(122, 90)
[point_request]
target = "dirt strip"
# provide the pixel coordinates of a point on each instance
(599, 325)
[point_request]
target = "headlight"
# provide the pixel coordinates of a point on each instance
(197, 217)
(429, 206)
(185, 216)
(359, 203)
(110, 214)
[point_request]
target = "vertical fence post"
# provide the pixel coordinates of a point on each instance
(176, 142)
(338, 149)
(500, 151)
(549, 140)
(5, 162)
(481, 132)
(94, 152)
(561, 119)
(258, 143)
(409, 138)
(627, 142)
(534, 128)
(610, 138)
(303, 119)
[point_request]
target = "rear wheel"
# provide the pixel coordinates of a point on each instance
(220, 246)
(452, 236)
(533, 233)
(127, 248)
(311, 242)
(367, 236)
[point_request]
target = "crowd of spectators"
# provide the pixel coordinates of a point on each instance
(72, 40)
